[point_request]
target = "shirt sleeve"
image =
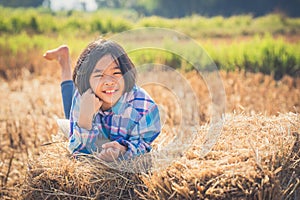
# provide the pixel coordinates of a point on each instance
(144, 131)
(80, 140)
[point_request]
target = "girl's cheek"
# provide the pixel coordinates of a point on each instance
(95, 83)
(97, 86)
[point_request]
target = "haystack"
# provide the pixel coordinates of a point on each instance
(255, 157)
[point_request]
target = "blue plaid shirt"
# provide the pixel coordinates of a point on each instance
(133, 121)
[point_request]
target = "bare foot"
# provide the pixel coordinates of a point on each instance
(61, 54)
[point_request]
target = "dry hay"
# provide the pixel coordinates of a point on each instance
(28, 107)
(256, 157)
(56, 175)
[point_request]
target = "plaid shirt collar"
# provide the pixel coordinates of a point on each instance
(121, 104)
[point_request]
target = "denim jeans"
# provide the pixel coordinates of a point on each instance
(67, 90)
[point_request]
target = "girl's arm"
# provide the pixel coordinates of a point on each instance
(89, 105)
(81, 139)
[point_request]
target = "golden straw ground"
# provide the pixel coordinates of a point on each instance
(254, 150)
(251, 160)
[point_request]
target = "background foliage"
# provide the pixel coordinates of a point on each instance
(257, 44)
(178, 8)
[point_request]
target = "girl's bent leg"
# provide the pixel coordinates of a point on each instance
(67, 88)
(61, 54)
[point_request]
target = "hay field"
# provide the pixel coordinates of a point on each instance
(256, 156)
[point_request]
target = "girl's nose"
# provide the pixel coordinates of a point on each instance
(109, 80)
(108, 83)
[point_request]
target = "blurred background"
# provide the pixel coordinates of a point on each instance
(170, 8)
(256, 36)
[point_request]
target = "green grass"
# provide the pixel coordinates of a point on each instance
(41, 21)
(260, 54)
(26, 31)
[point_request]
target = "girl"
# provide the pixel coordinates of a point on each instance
(107, 106)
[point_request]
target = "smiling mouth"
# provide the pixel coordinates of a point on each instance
(110, 91)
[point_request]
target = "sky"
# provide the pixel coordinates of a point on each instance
(73, 5)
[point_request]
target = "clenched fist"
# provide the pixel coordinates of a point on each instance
(111, 151)
(89, 105)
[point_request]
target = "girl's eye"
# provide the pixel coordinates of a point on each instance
(117, 73)
(98, 75)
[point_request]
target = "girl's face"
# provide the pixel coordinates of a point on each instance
(107, 81)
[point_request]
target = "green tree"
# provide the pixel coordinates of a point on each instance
(177, 8)
(21, 3)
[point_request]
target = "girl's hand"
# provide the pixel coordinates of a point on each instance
(89, 105)
(111, 151)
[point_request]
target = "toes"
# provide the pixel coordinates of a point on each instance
(60, 52)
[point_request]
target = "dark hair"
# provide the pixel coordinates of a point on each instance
(92, 54)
